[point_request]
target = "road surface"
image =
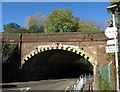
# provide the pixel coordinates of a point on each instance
(56, 84)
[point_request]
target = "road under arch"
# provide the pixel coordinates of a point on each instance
(55, 64)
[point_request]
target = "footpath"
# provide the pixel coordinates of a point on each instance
(87, 87)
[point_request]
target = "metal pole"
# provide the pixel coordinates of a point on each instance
(109, 71)
(116, 53)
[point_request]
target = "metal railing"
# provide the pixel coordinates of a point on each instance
(80, 82)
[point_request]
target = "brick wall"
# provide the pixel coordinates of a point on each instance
(92, 43)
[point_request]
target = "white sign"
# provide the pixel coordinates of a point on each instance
(110, 32)
(111, 49)
(111, 42)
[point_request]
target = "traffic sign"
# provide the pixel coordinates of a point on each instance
(111, 49)
(111, 42)
(110, 32)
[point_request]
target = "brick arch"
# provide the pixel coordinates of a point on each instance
(71, 48)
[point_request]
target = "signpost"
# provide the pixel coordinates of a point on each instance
(111, 42)
(111, 49)
(111, 32)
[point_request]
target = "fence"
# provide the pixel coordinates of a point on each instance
(80, 82)
(105, 76)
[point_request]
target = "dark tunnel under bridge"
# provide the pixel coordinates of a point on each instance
(55, 64)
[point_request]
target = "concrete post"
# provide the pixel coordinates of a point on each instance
(95, 83)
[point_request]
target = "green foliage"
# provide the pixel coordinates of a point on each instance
(88, 27)
(35, 29)
(84, 63)
(11, 27)
(61, 21)
(57, 21)
(14, 28)
(103, 85)
(22, 30)
(7, 52)
(105, 76)
(10, 62)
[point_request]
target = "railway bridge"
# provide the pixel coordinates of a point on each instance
(89, 45)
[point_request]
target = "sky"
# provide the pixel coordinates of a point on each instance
(58, 0)
(17, 12)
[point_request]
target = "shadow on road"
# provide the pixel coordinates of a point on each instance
(8, 86)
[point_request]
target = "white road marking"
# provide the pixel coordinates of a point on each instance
(66, 88)
(24, 89)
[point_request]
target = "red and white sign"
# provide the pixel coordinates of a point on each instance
(56, 45)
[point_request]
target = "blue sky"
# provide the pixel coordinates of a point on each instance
(18, 11)
(0, 16)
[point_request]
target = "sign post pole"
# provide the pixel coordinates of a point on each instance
(116, 53)
(115, 33)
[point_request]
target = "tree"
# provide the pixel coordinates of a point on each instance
(7, 51)
(11, 27)
(61, 21)
(88, 26)
(22, 30)
(35, 29)
(10, 62)
(35, 22)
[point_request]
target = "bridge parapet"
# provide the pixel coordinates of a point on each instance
(93, 43)
(11, 37)
(55, 37)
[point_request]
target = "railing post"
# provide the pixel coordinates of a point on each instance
(89, 76)
(85, 79)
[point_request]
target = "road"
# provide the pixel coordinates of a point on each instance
(56, 84)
